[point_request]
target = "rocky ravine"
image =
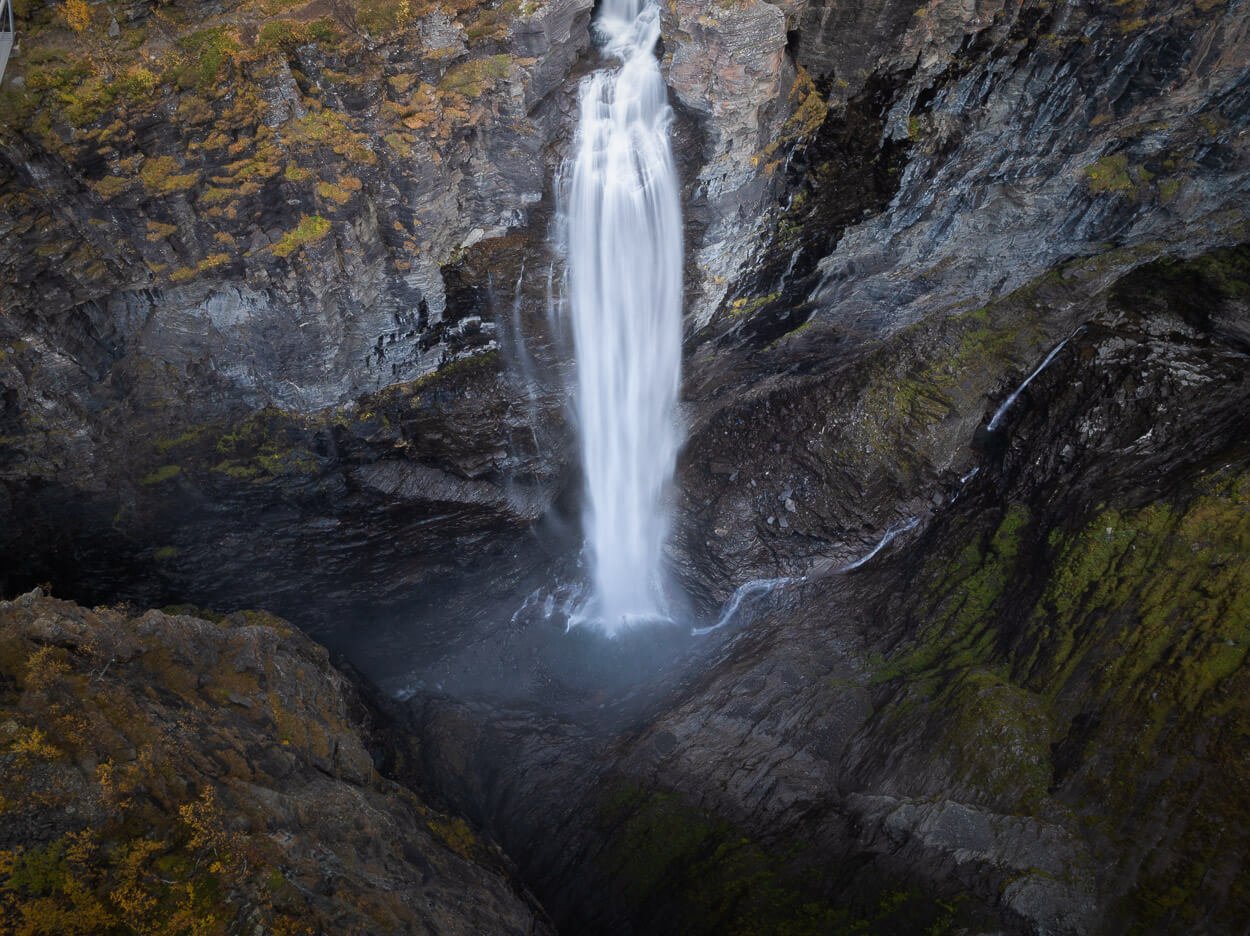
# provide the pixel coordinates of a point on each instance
(218, 356)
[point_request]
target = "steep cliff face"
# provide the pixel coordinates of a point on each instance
(169, 774)
(224, 245)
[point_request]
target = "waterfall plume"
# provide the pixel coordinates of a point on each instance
(622, 233)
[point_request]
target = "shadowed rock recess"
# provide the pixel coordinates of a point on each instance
(967, 336)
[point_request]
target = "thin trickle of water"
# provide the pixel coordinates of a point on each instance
(785, 277)
(523, 359)
(909, 524)
(1015, 394)
(742, 593)
(622, 237)
(554, 307)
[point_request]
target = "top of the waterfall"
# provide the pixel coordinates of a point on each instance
(629, 27)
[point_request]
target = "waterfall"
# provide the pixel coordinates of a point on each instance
(622, 237)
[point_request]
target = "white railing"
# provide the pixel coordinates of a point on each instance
(6, 33)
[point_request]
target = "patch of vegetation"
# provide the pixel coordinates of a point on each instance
(142, 841)
(1114, 174)
(160, 176)
(455, 832)
(808, 114)
(476, 77)
(1133, 644)
(269, 443)
(744, 307)
(328, 128)
(382, 17)
(211, 262)
(161, 474)
(688, 872)
(110, 186)
(310, 230)
(285, 36)
(207, 53)
(340, 191)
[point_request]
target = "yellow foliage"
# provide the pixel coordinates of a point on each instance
(77, 14)
(44, 668)
(158, 231)
(341, 192)
(311, 228)
(160, 176)
(33, 743)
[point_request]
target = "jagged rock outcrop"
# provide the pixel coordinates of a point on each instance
(1034, 133)
(164, 773)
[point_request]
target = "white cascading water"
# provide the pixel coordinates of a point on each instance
(623, 241)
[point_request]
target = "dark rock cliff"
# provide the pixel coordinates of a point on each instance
(232, 243)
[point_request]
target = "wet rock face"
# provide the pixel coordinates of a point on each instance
(162, 771)
(377, 504)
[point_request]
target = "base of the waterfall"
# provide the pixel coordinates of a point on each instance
(614, 625)
(542, 650)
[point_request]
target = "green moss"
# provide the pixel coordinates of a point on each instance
(310, 230)
(1114, 174)
(960, 631)
(944, 367)
(281, 36)
(744, 307)
(1140, 625)
(207, 53)
(187, 437)
(381, 17)
(161, 474)
(476, 77)
(692, 873)
(266, 444)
